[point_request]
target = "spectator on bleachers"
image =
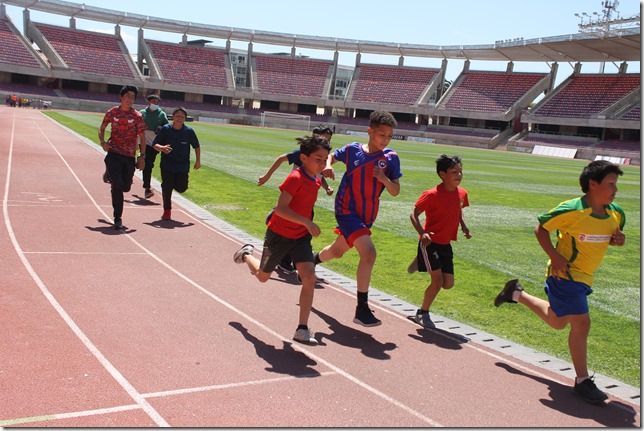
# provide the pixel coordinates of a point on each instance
(154, 118)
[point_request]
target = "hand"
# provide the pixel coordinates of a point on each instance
(467, 233)
(140, 163)
(197, 165)
(329, 191)
(379, 174)
(105, 145)
(559, 266)
(328, 172)
(165, 149)
(313, 229)
(426, 238)
(262, 180)
(618, 238)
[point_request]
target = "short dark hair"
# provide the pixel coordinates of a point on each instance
(445, 162)
(180, 108)
(310, 144)
(378, 118)
(153, 96)
(322, 130)
(127, 88)
(597, 171)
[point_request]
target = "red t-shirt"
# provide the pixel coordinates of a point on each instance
(442, 212)
(304, 192)
(126, 126)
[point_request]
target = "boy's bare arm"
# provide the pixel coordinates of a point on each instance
(558, 263)
(276, 164)
(392, 186)
(328, 171)
(424, 237)
(464, 228)
(283, 210)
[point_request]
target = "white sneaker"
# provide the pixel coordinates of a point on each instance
(304, 336)
(238, 257)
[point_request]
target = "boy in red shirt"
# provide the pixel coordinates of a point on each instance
(291, 229)
(443, 207)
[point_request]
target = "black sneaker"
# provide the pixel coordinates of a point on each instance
(589, 391)
(118, 224)
(286, 265)
(506, 294)
(365, 317)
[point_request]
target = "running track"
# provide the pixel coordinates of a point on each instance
(156, 326)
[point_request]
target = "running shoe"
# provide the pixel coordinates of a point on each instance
(365, 317)
(589, 391)
(423, 319)
(148, 193)
(305, 336)
(506, 294)
(238, 257)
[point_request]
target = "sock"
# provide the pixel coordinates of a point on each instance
(580, 379)
(515, 295)
(363, 297)
(316, 259)
(305, 327)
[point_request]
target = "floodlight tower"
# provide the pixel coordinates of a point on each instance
(605, 24)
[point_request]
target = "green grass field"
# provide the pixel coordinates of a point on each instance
(507, 190)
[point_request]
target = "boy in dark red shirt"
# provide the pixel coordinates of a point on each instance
(442, 206)
(291, 229)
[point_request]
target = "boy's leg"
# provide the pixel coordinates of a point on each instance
(335, 250)
(367, 251)
(306, 270)
(577, 343)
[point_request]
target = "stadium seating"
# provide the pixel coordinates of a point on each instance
(185, 65)
(293, 76)
(634, 114)
(490, 91)
(585, 95)
(394, 85)
(12, 49)
(88, 52)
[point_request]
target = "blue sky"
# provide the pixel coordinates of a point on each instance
(430, 22)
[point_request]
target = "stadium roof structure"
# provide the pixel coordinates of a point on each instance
(623, 45)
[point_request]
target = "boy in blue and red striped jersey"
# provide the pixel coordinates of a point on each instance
(371, 169)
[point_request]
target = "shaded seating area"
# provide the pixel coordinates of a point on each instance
(292, 76)
(589, 94)
(634, 114)
(490, 91)
(12, 50)
(185, 65)
(88, 52)
(395, 85)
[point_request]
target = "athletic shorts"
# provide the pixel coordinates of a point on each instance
(567, 297)
(277, 246)
(434, 257)
(351, 227)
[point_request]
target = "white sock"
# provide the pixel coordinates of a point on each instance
(515, 295)
(580, 379)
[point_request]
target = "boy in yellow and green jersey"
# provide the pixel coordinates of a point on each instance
(584, 228)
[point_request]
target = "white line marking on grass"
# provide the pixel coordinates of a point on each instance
(138, 397)
(142, 402)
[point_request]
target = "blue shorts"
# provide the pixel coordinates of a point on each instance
(567, 297)
(351, 227)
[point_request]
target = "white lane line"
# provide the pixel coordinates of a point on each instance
(237, 311)
(233, 385)
(142, 402)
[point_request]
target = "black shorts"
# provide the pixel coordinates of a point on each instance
(434, 257)
(277, 246)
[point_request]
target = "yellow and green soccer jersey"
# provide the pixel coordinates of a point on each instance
(582, 237)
